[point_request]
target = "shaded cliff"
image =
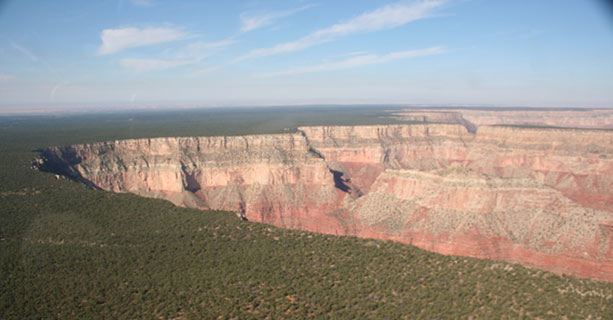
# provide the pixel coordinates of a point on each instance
(535, 196)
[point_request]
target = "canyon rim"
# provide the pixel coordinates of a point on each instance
(532, 187)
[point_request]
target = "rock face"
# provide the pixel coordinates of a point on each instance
(541, 197)
(472, 118)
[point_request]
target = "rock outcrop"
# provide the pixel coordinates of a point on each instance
(540, 197)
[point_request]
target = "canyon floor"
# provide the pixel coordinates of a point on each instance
(70, 251)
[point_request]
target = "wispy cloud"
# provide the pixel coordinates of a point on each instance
(153, 64)
(192, 53)
(386, 17)
(55, 88)
(25, 51)
(250, 22)
(358, 61)
(200, 48)
(115, 40)
(142, 3)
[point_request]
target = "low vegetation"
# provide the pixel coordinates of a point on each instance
(71, 252)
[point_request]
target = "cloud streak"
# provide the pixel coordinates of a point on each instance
(142, 65)
(253, 22)
(357, 61)
(192, 53)
(386, 17)
(116, 40)
(25, 51)
(55, 88)
(142, 3)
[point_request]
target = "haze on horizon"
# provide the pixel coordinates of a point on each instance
(70, 54)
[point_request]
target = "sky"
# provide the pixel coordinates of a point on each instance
(79, 55)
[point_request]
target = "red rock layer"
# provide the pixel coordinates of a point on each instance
(540, 197)
(465, 214)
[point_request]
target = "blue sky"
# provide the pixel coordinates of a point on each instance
(76, 54)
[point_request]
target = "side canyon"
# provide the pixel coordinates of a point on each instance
(539, 196)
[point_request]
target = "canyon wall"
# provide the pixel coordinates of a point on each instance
(541, 197)
(263, 178)
(473, 118)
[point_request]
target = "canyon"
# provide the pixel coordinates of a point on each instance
(475, 183)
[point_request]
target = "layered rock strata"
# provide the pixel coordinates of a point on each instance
(540, 197)
(473, 118)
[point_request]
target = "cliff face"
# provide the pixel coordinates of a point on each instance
(536, 196)
(362, 153)
(473, 118)
(265, 178)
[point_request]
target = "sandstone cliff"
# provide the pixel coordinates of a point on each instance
(262, 177)
(541, 197)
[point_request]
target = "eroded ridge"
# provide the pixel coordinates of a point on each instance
(540, 197)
